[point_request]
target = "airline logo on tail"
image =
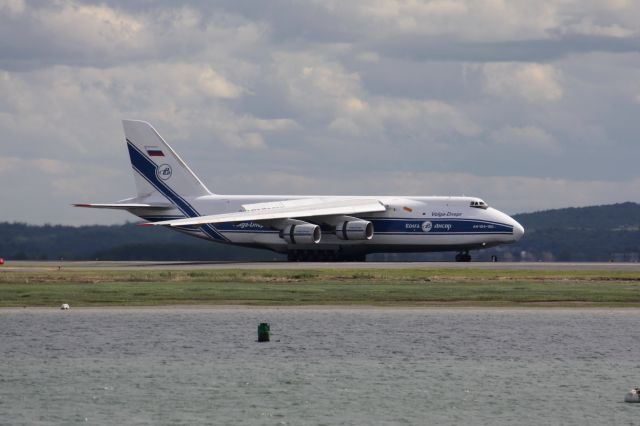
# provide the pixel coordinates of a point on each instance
(164, 171)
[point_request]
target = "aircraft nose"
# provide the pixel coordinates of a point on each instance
(518, 231)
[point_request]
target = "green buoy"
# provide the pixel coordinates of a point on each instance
(263, 332)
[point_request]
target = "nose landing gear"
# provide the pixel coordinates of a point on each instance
(463, 256)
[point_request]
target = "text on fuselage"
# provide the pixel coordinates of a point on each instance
(446, 214)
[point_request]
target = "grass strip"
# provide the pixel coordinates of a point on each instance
(409, 287)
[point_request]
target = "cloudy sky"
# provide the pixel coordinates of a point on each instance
(527, 104)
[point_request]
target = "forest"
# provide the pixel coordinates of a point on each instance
(597, 233)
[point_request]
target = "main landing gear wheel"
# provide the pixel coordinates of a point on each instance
(463, 257)
(311, 256)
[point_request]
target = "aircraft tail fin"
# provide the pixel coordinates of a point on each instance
(157, 168)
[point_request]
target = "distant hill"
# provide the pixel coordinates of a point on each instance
(598, 233)
(20, 241)
(614, 217)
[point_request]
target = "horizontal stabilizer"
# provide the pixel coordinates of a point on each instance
(287, 209)
(125, 206)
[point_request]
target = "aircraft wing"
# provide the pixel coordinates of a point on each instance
(124, 206)
(287, 209)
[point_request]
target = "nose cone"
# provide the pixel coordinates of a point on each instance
(518, 231)
(500, 217)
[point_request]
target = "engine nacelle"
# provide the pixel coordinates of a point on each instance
(301, 234)
(355, 230)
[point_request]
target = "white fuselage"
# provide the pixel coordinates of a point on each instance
(409, 224)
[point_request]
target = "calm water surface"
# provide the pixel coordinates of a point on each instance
(323, 366)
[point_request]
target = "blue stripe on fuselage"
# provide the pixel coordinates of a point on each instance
(438, 226)
(147, 169)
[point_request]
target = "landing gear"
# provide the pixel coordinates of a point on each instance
(322, 256)
(463, 256)
(311, 255)
(354, 258)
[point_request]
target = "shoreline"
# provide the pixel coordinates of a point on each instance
(328, 307)
(26, 266)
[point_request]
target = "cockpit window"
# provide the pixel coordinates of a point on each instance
(479, 205)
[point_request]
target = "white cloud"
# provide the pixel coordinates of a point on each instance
(211, 83)
(45, 189)
(433, 115)
(614, 18)
(67, 105)
(411, 15)
(326, 93)
(277, 124)
(83, 26)
(402, 121)
(12, 7)
(371, 57)
(68, 32)
(487, 20)
(8, 165)
(484, 20)
(529, 81)
(528, 137)
(588, 27)
(512, 194)
(273, 183)
(323, 97)
(315, 86)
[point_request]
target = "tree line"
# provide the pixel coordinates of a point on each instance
(596, 233)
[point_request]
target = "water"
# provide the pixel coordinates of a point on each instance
(322, 367)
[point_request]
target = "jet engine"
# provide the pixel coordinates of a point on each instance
(305, 233)
(355, 230)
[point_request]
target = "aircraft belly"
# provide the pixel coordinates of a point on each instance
(266, 238)
(434, 240)
(413, 240)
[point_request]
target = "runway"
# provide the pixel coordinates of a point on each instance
(31, 266)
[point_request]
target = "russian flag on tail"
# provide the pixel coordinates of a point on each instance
(154, 151)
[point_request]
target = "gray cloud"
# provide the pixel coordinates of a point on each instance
(534, 50)
(528, 105)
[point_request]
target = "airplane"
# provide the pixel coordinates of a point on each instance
(306, 228)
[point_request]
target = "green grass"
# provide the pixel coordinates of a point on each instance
(394, 287)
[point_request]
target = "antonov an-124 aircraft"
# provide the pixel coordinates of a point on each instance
(306, 228)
